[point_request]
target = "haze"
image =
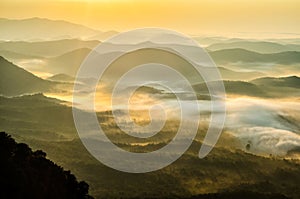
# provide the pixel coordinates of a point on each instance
(232, 18)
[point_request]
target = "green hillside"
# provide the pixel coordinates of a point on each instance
(291, 81)
(67, 63)
(16, 81)
(225, 171)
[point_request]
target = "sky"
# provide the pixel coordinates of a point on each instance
(195, 17)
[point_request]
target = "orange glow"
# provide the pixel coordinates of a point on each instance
(190, 17)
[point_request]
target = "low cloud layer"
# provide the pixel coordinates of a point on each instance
(266, 126)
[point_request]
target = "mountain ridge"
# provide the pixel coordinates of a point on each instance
(35, 29)
(47, 48)
(16, 81)
(256, 46)
(241, 55)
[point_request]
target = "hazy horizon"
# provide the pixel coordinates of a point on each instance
(255, 19)
(207, 106)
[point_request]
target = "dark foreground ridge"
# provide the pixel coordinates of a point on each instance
(28, 174)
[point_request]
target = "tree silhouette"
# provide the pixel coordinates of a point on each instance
(28, 174)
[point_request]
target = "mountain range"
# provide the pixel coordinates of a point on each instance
(265, 87)
(241, 55)
(68, 63)
(45, 48)
(262, 84)
(37, 29)
(16, 81)
(256, 46)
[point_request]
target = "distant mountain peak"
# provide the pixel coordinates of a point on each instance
(37, 29)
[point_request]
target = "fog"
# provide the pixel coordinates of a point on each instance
(270, 126)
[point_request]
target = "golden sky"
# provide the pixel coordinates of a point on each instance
(188, 16)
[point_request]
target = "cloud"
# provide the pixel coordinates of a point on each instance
(268, 140)
(269, 126)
